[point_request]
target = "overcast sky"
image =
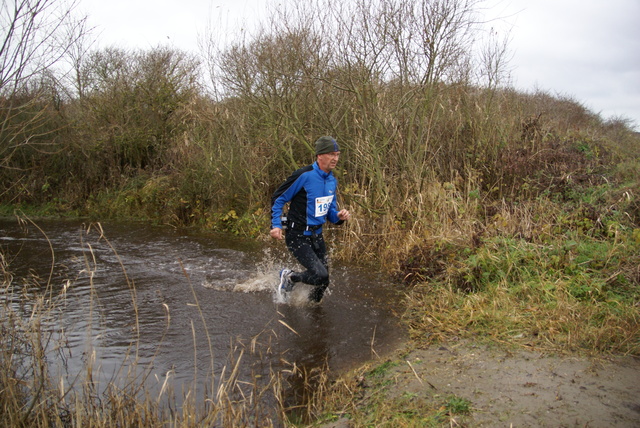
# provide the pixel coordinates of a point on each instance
(588, 50)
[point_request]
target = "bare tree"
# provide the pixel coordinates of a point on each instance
(78, 36)
(34, 36)
(447, 29)
(494, 61)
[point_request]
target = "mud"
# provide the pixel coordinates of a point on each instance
(524, 388)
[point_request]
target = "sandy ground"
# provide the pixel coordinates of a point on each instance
(522, 388)
(529, 389)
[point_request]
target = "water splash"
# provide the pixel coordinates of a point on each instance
(263, 278)
(265, 282)
(262, 281)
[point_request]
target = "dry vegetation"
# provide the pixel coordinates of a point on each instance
(509, 216)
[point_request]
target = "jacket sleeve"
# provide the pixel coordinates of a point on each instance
(282, 195)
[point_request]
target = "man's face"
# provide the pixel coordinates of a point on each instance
(328, 161)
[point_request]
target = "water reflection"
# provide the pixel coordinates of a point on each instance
(179, 304)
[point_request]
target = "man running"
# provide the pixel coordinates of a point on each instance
(311, 191)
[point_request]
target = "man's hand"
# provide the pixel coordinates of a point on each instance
(344, 215)
(276, 233)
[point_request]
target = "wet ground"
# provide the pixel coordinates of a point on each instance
(520, 388)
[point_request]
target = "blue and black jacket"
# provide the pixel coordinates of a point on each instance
(312, 196)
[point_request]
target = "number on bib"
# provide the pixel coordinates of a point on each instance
(322, 205)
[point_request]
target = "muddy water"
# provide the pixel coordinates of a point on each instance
(183, 307)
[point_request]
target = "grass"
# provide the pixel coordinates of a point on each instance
(577, 294)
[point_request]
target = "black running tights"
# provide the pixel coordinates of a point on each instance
(311, 252)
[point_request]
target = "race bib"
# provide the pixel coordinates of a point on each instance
(322, 205)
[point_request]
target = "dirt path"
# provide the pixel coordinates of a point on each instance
(525, 389)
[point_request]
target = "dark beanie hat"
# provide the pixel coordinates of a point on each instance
(326, 145)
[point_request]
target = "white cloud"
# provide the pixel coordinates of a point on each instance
(586, 49)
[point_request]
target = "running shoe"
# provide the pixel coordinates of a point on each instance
(286, 285)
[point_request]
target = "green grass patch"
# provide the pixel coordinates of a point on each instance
(577, 293)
